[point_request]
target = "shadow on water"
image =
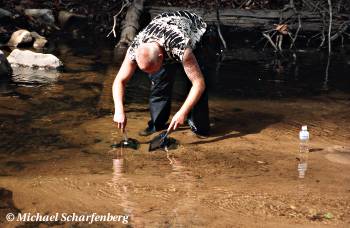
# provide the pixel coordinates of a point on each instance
(238, 124)
(246, 72)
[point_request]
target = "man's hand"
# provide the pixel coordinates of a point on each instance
(120, 119)
(194, 73)
(178, 119)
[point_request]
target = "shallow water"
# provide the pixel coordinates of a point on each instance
(57, 132)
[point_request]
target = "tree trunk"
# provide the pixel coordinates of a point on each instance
(131, 23)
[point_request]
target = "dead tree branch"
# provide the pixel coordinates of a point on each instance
(125, 4)
(218, 25)
(330, 27)
(270, 40)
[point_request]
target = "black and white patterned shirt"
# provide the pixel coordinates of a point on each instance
(174, 31)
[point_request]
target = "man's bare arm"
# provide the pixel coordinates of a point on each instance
(125, 72)
(195, 75)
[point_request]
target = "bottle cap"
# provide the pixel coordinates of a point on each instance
(304, 128)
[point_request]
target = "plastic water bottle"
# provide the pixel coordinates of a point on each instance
(303, 151)
(304, 140)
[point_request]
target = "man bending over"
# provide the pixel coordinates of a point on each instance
(170, 37)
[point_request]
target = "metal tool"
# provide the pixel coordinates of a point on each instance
(160, 141)
(127, 142)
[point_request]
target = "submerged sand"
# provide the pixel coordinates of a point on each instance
(56, 157)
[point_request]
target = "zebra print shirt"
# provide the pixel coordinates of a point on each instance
(174, 31)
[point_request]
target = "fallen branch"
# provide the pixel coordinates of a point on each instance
(248, 19)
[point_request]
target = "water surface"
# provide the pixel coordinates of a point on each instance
(57, 132)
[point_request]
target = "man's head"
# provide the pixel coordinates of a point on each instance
(149, 57)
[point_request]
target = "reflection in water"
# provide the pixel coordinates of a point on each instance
(28, 76)
(302, 164)
(121, 186)
(180, 175)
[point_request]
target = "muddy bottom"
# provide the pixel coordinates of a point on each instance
(56, 157)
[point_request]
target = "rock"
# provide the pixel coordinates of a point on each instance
(20, 37)
(39, 42)
(33, 59)
(5, 15)
(6, 204)
(4, 36)
(66, 19)
(44, 16)
(5, 67)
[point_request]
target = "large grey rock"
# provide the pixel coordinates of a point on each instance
(44, 16)
(5, 67)
(39, 42)
(20, 37)
(33, 59)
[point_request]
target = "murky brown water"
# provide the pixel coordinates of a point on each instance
(56, 154)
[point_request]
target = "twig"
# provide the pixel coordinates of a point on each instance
(296, 33)
(323, 31)
(330, 27)
(218, 25)
(342, 28)
(280, 40)
(315, 6)
(270, 40)
(246, 2)
(340, 3)
(267, 32)
(308, 42)
(127, 3)
(325, 82)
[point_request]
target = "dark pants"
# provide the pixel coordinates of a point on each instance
(160, 98)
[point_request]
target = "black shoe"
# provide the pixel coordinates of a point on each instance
(196, 131)
(147, 132)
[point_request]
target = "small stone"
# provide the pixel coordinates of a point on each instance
(20, 37)
(39, 42)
